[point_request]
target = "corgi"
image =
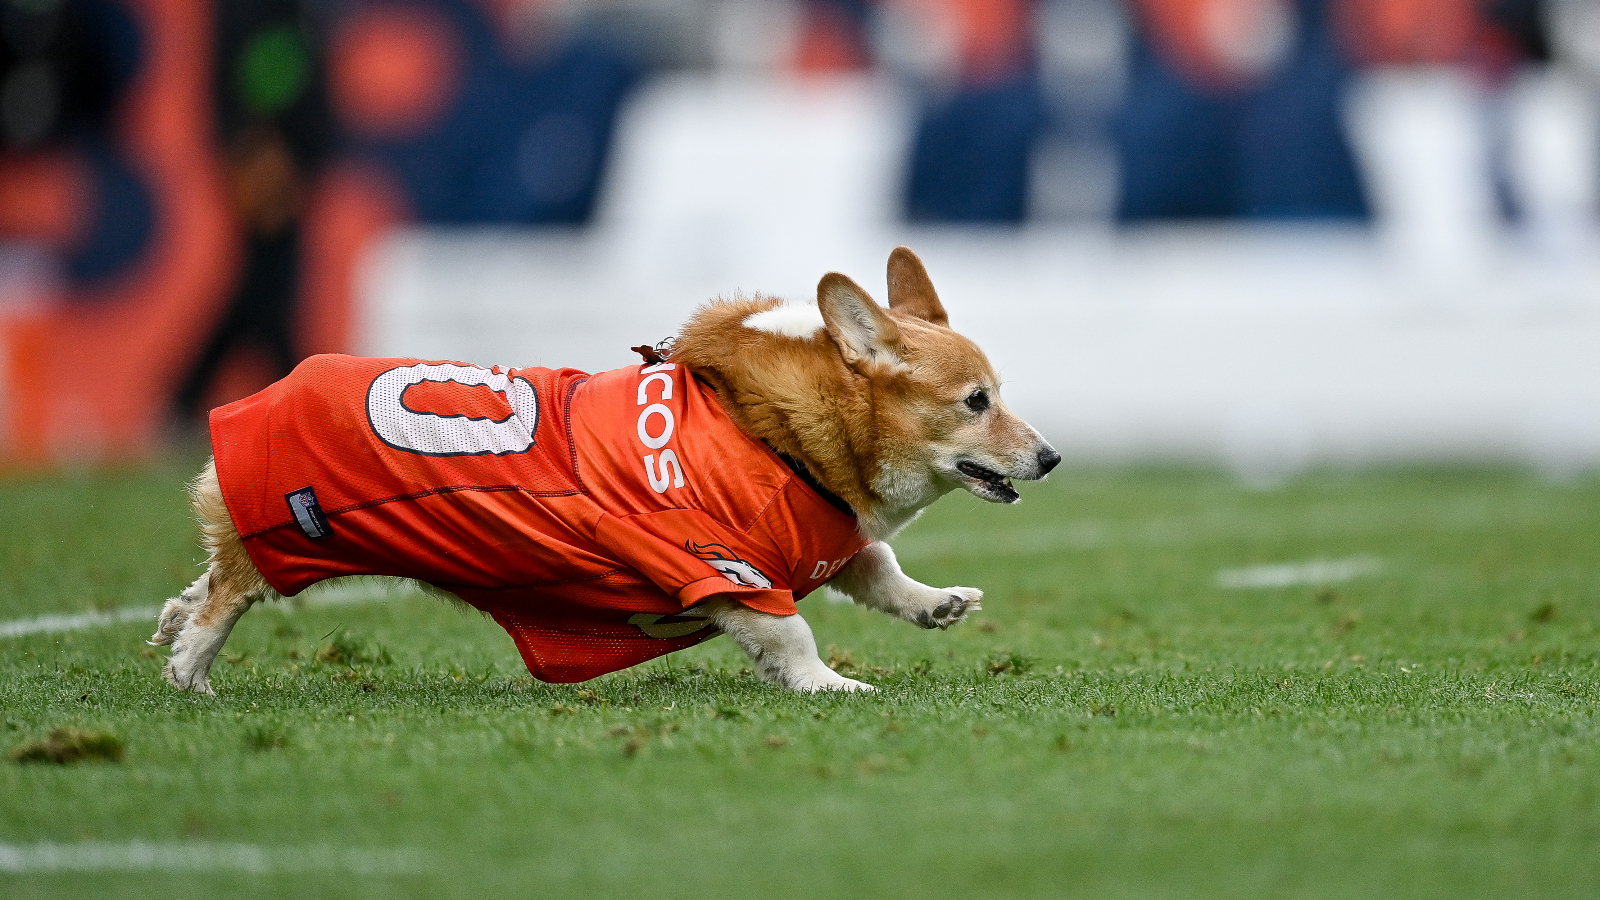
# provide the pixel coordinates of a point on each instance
(605, 519)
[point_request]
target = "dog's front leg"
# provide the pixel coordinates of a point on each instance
(874, 580)
(782, 647)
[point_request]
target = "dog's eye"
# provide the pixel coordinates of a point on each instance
(978, 400)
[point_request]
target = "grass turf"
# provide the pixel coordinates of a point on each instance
(1115, 723)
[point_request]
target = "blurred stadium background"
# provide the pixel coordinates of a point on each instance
(1268, 233)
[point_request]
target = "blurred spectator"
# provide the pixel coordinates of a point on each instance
(1551, 156)
(481, 113)
(1463, 124)
(1234, 110)
(274, 135)
(65, 183)
(499, 112)
(981, 107)
(1083, 48)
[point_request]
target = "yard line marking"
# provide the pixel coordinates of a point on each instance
(54, 623)
(91, 856)
(1315, 571)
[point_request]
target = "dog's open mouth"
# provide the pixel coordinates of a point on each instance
(991, 484)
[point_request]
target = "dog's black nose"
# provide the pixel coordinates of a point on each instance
(1048, 457)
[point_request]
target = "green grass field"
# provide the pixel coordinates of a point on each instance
(1117, 722)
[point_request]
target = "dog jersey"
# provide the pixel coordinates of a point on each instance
(587, 514)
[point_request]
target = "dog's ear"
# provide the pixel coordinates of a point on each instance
(863, 331)
(911, 291)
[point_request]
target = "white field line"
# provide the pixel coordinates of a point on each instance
(57, 623)
(98, 856)
(349, 592)
(1315, 571)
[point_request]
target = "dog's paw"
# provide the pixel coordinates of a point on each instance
(189, 667)
(174, 614)
(844, 684)
(828, 680)
(946, 606)
(187, 678)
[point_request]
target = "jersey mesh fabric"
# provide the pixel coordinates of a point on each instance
(584, 513)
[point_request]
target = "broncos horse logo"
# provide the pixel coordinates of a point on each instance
(724, 560)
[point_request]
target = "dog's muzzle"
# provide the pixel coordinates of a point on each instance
(994, 486)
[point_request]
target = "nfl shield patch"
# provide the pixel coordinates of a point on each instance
(308, 513)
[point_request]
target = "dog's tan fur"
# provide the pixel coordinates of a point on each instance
(880, 405)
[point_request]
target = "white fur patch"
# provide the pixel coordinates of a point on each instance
(787, 321)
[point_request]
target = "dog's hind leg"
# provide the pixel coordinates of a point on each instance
(782, 647)
(197, 622)
(874, 580)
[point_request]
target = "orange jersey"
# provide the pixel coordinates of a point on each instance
(588, 514)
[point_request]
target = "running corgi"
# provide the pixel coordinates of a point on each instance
(606, 519)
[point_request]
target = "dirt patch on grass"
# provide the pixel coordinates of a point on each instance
(70, 745)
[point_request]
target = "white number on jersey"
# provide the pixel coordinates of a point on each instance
(433, 434)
